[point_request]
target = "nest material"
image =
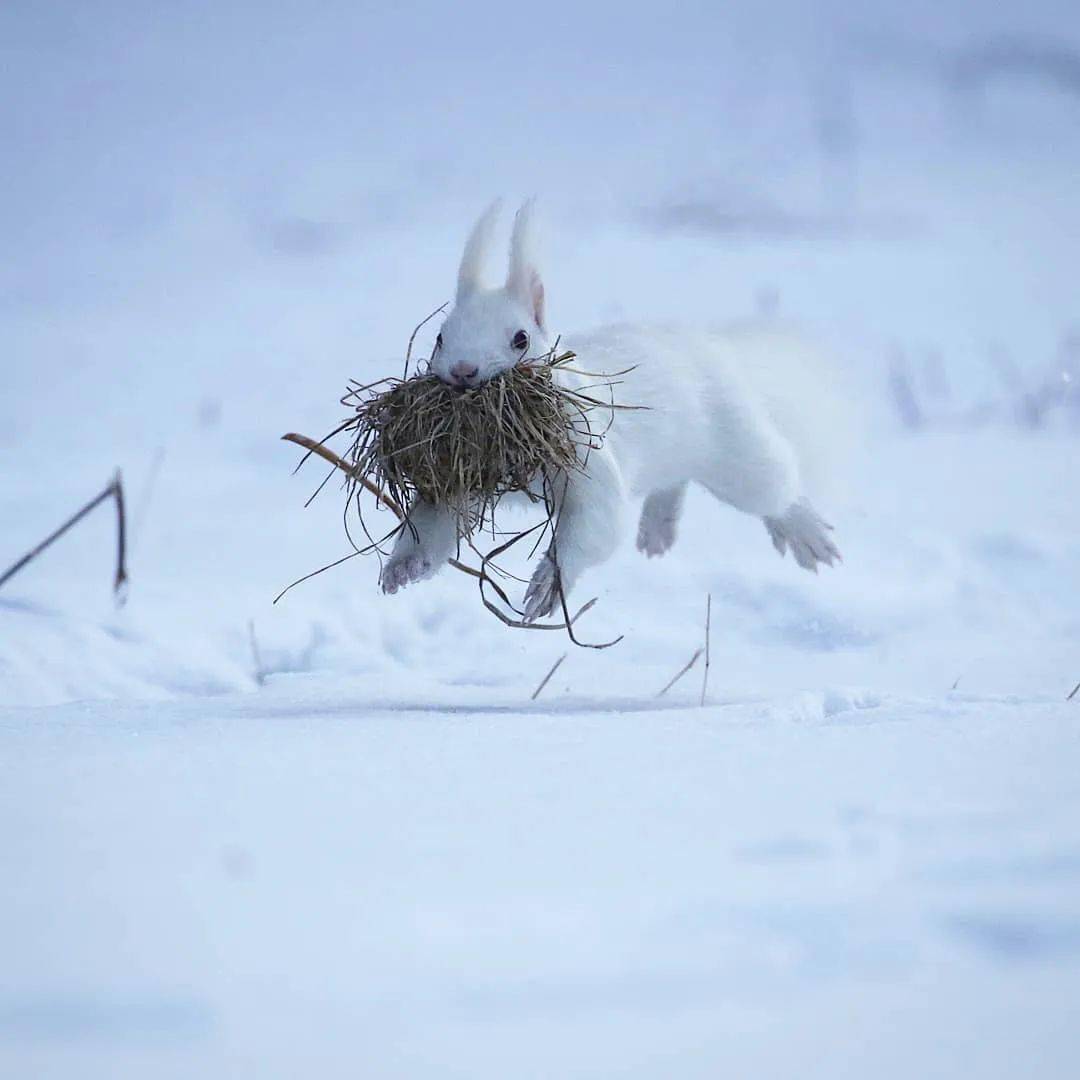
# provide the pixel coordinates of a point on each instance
(467, 449)
(416, 437)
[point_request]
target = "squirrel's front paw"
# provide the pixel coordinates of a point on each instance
(402, 570)
(543, 592)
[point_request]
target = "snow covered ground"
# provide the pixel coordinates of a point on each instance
(334, 837)
(333, 881)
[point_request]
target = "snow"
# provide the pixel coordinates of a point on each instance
(321, 880)
(333, 836)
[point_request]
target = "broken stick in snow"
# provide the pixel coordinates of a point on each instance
(689, 664)
(547, 678)
(115, 491)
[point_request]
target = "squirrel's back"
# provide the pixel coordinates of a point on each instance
(686, 381)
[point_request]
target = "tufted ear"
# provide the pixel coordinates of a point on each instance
(470, 272)
(523, 279)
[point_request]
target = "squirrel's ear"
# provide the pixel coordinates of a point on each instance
(523, 279)
(470, 272)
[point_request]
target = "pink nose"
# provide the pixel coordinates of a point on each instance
(464, 372)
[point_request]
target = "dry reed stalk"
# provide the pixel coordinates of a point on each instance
(682, 671)
(704, 649)
(115, 491)
(547, 678)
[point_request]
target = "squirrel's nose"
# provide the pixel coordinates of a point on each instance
(464, 372)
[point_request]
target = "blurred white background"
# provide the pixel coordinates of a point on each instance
(360, 851)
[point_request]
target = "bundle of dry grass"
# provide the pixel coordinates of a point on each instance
(467, 449)
(417, 437)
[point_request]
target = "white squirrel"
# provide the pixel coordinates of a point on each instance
(746, 412)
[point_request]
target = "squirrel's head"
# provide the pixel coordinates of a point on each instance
(491, 329)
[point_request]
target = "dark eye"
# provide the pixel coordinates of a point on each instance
(521, 341)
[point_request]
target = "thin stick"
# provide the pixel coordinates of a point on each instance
(547, 678)
(568, 626)
(520, 624)
(708, 626)
(120, 578)
(115, 491)
(1075, 689)
(689, 664)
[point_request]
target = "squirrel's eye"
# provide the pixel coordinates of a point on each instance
(521, 341)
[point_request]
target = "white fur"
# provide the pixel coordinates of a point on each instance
(747, 413)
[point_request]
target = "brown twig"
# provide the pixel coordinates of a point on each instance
(568, 626)
(689, 664)
(115, 491)
(547, 678)
(328, 455)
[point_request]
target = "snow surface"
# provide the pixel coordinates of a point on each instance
(333, 836)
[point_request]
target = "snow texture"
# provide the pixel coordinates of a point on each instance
(333, 836)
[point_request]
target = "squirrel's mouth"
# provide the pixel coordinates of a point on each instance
(462, 383)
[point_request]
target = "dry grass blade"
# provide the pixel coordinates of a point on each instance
(327, 454)
(114, 491)
(682, 671)
(547, 678)
(416, 330)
